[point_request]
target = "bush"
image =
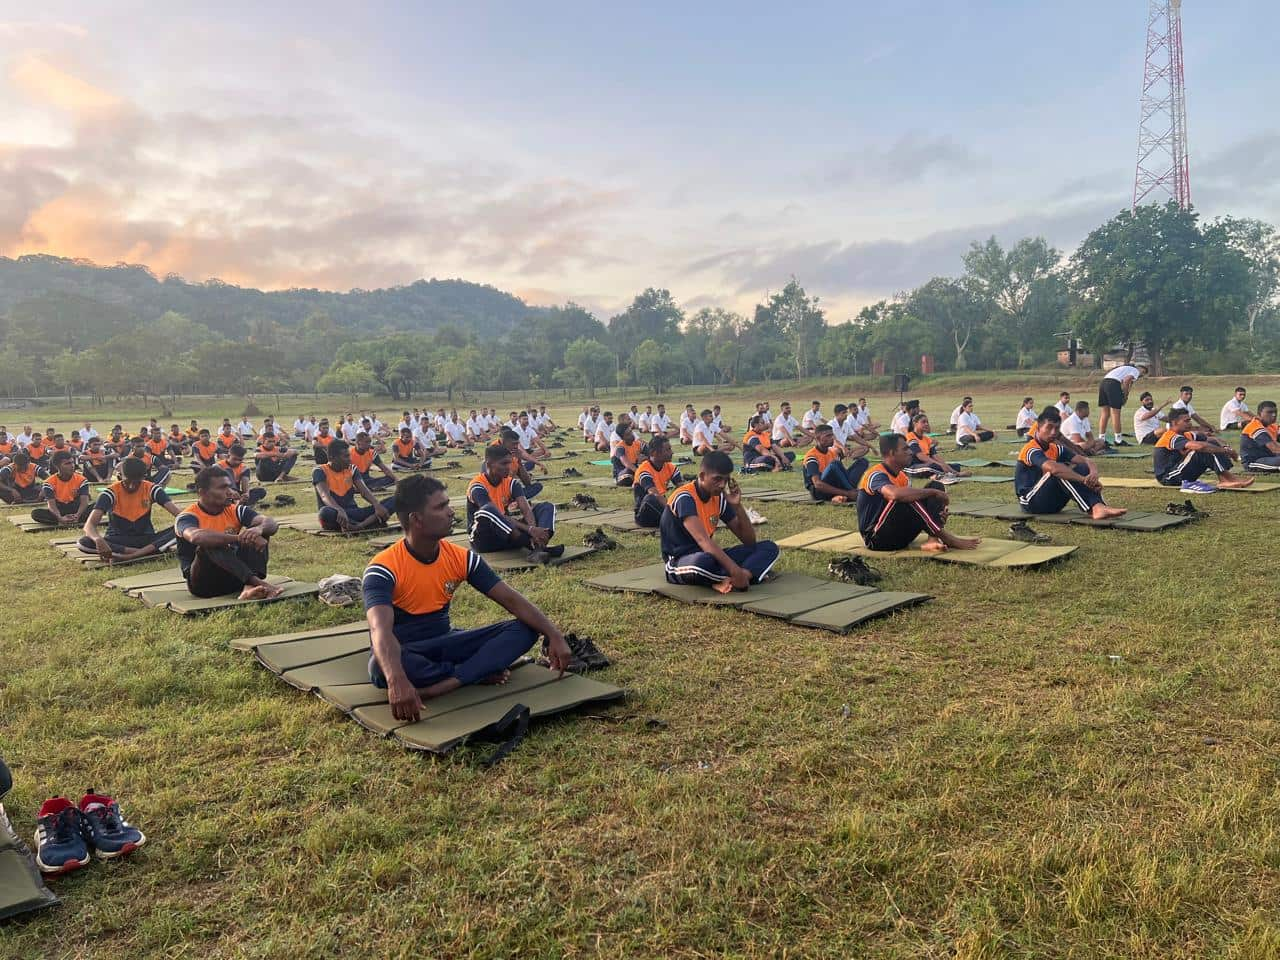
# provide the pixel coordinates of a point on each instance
(251, 410)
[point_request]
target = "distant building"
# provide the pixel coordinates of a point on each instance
(1083, 358)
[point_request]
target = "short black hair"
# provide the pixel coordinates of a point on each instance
(506, 434)
(205, 478)
(133, 469)
(1049, 415)
(59, 458)
(1186, 388)
(717, 462)
(1266, 405)
(823, 428)
(889, 443)
(1082, 405)
(339, 446)
(494, 453)
(917, 418)
(412, 494)
(657, 443)
(840, 408)
(237, 450)
(1145, 395)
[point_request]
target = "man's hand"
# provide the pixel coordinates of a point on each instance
(733, 492)
(558, 652)
(66, 519)
(539, 536)
(343, 520)
(741, 579)
(406, 705)
(380, 511)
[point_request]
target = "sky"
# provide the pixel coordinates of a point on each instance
(572, 151)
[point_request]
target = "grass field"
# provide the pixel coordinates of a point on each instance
(1076, 762)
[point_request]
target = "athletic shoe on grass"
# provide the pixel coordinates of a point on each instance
(853, 569)
(599, 540)
(1021, 530)
(60, 843)
(1196, 486)
(105, 830)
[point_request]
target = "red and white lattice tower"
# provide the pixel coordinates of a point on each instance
(1164, 164)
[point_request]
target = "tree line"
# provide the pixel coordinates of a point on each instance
(1198, 295)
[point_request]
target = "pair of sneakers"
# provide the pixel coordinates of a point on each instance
(67, 835)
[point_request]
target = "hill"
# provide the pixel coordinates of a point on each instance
(79, 304)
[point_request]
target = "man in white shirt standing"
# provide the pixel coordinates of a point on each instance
(1113, 393)
(1148, 422)
(1235, 414)
(1077, 429)
(1184, 403)
(786, 428)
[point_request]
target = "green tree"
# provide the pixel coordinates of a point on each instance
(653, 315)
(1153, 276)
(351, 378)
(948, 306)
(1259, 245)
(798, 321)
(587, 363)
(657, 364)
(1025, 296)
(456, 369)
(838, 349)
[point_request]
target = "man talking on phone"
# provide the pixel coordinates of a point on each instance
(689, 549)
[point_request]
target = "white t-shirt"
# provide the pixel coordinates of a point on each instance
(702, 435)
(1145, 428)
(604, 430)
(583, 417)
(861, 418)
(812, 418)
(88, 433)
(1182, 405)
(1074, 425)
(967, 424)
(1123, 372)
(659, 423)
(642, 422)
(348, 431)
(244, 428)
(955, 415)
(1026, 419)
(377, 426)
(901, 422)
(527, 436)
(784, 427)
(766, 417)
(842, 431)
(589, 427)
(473, 425)
(687, 424)
(1064, 408)
(455, 431)
(716, 426)
(425, 434)
(1235, 411)
(300, 427)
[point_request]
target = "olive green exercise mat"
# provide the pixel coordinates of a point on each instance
(1135, 520)
(988, 553)
(179, 599)
(22, 889)
(252, 643)
(1151, 483)
(789, 597)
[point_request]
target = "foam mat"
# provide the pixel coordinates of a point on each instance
(22, 889)
(1135, 520)
(989, 553)
(791, 597)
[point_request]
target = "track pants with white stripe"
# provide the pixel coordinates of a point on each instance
(1051, 494)
(701, 569)
(1193, 466)
(491, 531)
(899, 522)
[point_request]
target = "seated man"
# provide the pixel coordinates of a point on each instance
(892, 513)
(604, 430)
(588, 422)
(204, 452)
(321, 441)
(1148, 421)
(688, 422)
(812, 418)
(65, 493)
(1259, 446)
(272, 461)
(1064, 406)
(627, 454)
(654, 477)
(365, 459)
(660, 424)
(240, 474)
(969, 428)
(642, 421)
(545, 424)
(222, 545)
(157, 472)
(38, 450)
(8, 446)
(510, 441)
(477, 429)
(786, 429)
(530, 441)
(226, 437)
(1235, 412)
(759, 452)
(705, 440)
(18, 479)
(825, 475)
(130, 534)
(689, 550)
(415, 652)
(455, 431)
(337, 482)
(158, 446)
(1079, 431)
(490, 526)
(1048, 475)
(901, 421)
(407, 453)
(96, 462)
(1181, 456)
(924, 461)
(1184, 403)
(1026, 421)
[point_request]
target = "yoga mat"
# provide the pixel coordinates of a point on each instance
(1150, 483)
(644, 579)
(248, 643)
(511, 560)
(600, 463)
(22, 889)
(1135, 520)
(350, 668)
(847, 614)
(179, 599)
(809, 537)
(292, 654)
(990, 552)
(787, 585)
(369, 707)
(138, 581)
(985, 480)
(785, 608)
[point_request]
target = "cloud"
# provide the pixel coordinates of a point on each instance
(259, 197)
(909, 159)
(28, 28)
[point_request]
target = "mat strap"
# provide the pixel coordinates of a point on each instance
(518, 718)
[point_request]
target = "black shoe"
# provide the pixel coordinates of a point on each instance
(555, 446)
(284, 500)
(583, 501)
(1021, 530)
(683, 460)
(572, 472)
(554, 552)
(452, 464)
(585, 650)
(1175, 510)
(599, 540)
(1191, 510)
(853, 570)
(569, 453)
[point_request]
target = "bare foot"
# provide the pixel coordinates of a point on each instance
(495, 679)
(254, 592)
(1101, 511)
(933, 545)
(962, 543)
(1231, 482)
(725, 586)
(839, 499)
